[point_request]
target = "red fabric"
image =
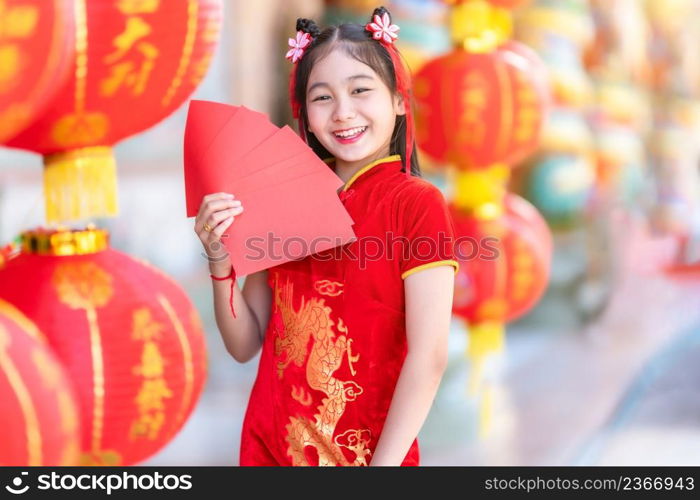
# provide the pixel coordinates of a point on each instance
(336, 339)
(429, 227)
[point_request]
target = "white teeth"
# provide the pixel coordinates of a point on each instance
(351, 132)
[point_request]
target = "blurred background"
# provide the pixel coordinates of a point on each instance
(585, 352)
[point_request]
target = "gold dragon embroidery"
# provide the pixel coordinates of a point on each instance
(312, 321)
(328, 287)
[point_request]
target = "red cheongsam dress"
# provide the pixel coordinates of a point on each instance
(336, 339)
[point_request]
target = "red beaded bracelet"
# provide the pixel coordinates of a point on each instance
(232, 277)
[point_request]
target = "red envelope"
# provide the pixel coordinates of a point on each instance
(217, 131)
(257, 241)
(283, 144)
(207, 114)
(278, 173)
(290, 197)
(308, 184)
(241, 133)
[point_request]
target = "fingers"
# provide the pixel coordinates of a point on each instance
(222, 215)
(208, 199)
(213, 238)
(216, 196)
(219, 230)
(219, 222)
(212, 204)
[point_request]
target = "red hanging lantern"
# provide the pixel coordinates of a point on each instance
(509, 4)
(478, 109)
(136, 61)
(39, 421)
(126, 333)
(36, 48)
(505, 4)
(528, 216)
(510, 275)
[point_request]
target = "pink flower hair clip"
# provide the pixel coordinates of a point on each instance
(298, 46)
(382, 29)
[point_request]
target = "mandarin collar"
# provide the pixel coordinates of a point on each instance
(364, 170)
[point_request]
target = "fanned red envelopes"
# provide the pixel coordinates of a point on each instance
(289, 196)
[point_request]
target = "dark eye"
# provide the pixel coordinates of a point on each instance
(360, 90)
(320, 98)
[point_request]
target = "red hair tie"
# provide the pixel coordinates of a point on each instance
(232, 277)
(386, 33)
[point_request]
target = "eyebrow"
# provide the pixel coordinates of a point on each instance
(350, 78)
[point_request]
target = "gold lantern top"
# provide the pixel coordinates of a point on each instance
(63, 241)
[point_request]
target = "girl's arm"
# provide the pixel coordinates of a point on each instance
(428, 312)
(242, 335)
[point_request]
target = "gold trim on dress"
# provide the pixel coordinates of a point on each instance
(429, 265)
(364, 169)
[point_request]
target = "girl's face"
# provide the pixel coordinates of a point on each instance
(350, 109)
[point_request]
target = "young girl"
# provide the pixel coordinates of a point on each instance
(354, 339)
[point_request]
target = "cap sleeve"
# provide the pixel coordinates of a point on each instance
(426, 225)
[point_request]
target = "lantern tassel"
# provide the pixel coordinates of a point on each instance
(80, 183)
(485, 339)
(479, 27)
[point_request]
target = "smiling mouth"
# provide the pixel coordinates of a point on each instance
(350, 133)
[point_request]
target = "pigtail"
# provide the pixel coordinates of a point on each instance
(380, 11)
(308, 26)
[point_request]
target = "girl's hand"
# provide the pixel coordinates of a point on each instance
(216, 214)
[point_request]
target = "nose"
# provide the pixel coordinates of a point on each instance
(344, 109)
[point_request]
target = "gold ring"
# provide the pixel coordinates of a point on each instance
(207, 228)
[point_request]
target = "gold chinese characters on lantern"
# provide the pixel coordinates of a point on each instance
(136, 61)
(478, 109)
